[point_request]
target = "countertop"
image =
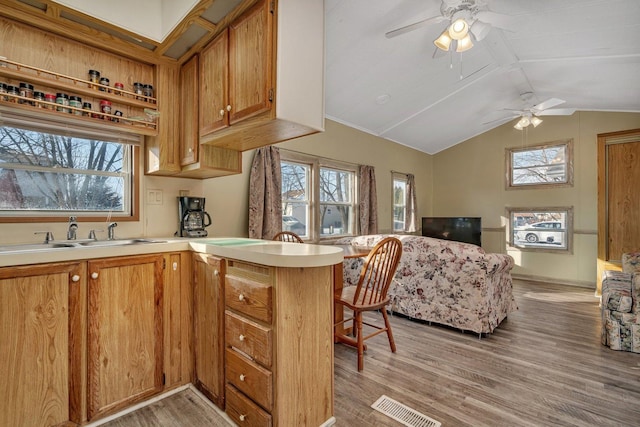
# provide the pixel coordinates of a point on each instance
(265, 252)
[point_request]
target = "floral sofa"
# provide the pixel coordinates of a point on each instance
(445, 282)
(620, 305)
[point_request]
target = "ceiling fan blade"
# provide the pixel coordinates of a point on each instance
(556, 112)
(503, 119)
(549, 103)
(414, 26)
(498, 20)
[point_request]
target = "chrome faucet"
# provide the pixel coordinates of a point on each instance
(110, 231)
(73, 227)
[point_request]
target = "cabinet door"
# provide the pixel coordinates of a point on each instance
(251, 62)
(124, 331)
(189, 112)
(209, 326)
(214, 71)
(39, 310)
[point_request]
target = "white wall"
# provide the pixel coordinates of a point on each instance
(469, 180)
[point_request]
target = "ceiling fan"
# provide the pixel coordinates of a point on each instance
(530, 115)
(466, 18)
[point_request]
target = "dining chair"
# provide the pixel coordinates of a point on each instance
(370, 294)
(288, 236)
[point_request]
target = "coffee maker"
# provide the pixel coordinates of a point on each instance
(193, 219)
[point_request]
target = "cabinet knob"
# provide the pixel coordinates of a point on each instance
(94, 275)
(242, 417)
(242, 377)
(222, 112)
(75, 278)
(228, 107)
(241, 337)
(216, 273)
(241, 297)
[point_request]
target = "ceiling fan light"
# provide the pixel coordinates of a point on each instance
(444, 41)
(458, 29)
(522, 123)
(464, 44)
(535, 121)
(480, 29)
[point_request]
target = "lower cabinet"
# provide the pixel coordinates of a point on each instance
(208, 297)
(124, 348)
(40, 306)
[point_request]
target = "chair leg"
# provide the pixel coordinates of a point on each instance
(392, 343)
(358, 320)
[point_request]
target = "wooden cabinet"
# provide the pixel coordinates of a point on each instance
(278, 339)
(189, 111)
(235, 74)
(208, 297)
(125, 350)
(40, 344)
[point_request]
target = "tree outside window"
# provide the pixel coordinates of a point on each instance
(399, 203)
(540, 165)
(336, 201)
(54, 173)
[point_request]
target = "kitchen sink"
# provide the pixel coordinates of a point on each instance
(74, 244)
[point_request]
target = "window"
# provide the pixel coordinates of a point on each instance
(540, 165)
(399, 202)
(52, 174)
(318, 196)
(546, 229)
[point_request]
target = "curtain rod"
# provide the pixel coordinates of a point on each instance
(319, 157)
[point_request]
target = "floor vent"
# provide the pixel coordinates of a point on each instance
(403, 413)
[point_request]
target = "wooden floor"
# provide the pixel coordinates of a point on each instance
(544, 366)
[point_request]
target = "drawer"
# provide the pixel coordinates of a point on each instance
(247, 296)
(249, 337)
(243, 411)
(250, 378)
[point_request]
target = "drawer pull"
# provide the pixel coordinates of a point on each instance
(241, 297)
(94, 275)
(242, 377)
(75, 278)
(241, 337)
(216, 273)
(242, 417)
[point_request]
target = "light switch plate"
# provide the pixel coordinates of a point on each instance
(154, 197)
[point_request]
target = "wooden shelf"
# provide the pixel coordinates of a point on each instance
(75, 86)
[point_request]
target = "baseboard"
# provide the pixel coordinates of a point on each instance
(531, 278)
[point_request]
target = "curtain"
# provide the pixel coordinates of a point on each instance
(410, 212)
(368, 200)
(265, 198)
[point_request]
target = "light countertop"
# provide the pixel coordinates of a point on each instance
(265, 252)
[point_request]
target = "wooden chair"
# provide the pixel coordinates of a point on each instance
(370, 294)
(288, 236)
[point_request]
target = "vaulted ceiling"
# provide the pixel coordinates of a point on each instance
(585, 52)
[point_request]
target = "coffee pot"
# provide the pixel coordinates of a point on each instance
(193, 219)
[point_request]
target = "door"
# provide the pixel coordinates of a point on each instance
(618, 198)
(250, 62)
(124, 331)
(40, 315)
(208, 297)
(214, 91)
(189, 112)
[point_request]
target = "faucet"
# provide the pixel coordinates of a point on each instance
(110, 232)
(73, 227)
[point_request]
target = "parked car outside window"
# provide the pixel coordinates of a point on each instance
(541, 232)
(291, 223)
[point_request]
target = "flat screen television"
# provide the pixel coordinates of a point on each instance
(460, 229)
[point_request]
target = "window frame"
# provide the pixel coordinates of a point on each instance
(28, 120)
(397, 176)
(568, 182)
(568, 230)
(316, 163)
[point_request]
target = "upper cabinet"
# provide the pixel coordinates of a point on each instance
(261, 79)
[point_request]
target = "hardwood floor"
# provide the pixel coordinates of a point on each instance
(543, 366)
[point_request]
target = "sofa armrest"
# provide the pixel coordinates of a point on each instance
(617, 292)
(631, 262)
(498, 263)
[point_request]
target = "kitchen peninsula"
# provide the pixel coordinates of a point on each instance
(270, 320)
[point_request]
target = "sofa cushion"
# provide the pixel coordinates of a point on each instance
(616, 291)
